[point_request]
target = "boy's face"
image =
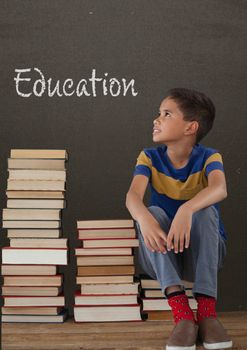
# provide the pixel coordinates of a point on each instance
(170, 125)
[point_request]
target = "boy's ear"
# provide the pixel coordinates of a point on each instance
(192, 128)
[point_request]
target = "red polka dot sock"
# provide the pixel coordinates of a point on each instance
(179, 304)
(205, 306)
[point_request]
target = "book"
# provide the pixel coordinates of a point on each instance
(89, 224)
(36, 203)
(104, 260)
(35, 185)
(30, 291)
(105, 270)
(30, 224)
(49, 164)
(162, 304)
(107, 313)
(110, 243)
(39, 153)
(106, 233)
(147, 283)
(120, 299)
(35, 318)
(38, 270)
(159, 315)
(102, 251)
(155, 293)
(33, 301)
(35, 194)
(110, 288)
(38, 242)
(27, 310)
(33, 233)
(31, 214)
(34, 256)
(104, 279)
(36, 174)
(31, 281)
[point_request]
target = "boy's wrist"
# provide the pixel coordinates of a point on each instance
(188, 207)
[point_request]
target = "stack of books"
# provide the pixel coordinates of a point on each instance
(105, 272)
(32, 287)
(155, 305)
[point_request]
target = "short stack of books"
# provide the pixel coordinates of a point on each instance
(105, 272)
(155, 304)
(32, 287)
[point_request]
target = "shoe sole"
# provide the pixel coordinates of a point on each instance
(218, 346)
(171, 347)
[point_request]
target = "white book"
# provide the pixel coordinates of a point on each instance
(31, 214)
(105, 299)
(34, 301)
(36, 203)
(34, 256)
(162, 304)
(39, 153)
(35, 194)
(35, 185)
(30, 224)
(105, 223)
(102, 251)
(107, 313)
(104, 279)
(34, 318)
(29, 174)
(110, 288)
(32, 270)
(38, 242)
(33, 233)
(104, 260)
(50, 164)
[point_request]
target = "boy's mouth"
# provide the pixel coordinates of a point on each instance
(156, 131)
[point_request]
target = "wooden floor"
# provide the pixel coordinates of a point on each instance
(108, 336)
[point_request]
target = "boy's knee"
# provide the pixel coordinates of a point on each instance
(158, 212)
(205, 222)
(206, 215)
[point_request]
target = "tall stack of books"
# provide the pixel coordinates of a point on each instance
(155, 304)
(32, 287)
(105, 272)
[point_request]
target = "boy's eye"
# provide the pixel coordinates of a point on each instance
(166, 114)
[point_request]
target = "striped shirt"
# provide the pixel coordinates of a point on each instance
(171, 187)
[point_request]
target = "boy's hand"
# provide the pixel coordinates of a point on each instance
(154, 236)
(179, 234)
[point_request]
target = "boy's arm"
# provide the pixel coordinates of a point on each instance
(154, 236)
(180, 229)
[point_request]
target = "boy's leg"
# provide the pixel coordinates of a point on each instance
(167, 269)
(204, 257)
(202, 260)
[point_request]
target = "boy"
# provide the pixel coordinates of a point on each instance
(181, 235)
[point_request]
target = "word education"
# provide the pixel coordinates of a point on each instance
(27, 86)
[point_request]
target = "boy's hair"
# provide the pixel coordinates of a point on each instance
(195, 106)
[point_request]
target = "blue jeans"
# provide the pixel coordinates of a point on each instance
(199, 263)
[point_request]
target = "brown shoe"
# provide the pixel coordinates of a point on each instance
(183, 336)
(213, 334)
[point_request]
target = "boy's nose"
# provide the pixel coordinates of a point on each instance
(156, 120)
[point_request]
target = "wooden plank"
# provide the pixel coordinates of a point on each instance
(110, 336)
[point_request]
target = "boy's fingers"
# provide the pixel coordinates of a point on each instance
(148, 245)
(169, 241)
(181, 244)
(160, 244)
(187, 240)
(176, 243)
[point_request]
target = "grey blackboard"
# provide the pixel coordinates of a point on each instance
(160, 44)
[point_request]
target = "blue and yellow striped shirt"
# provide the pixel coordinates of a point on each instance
(171, 187)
